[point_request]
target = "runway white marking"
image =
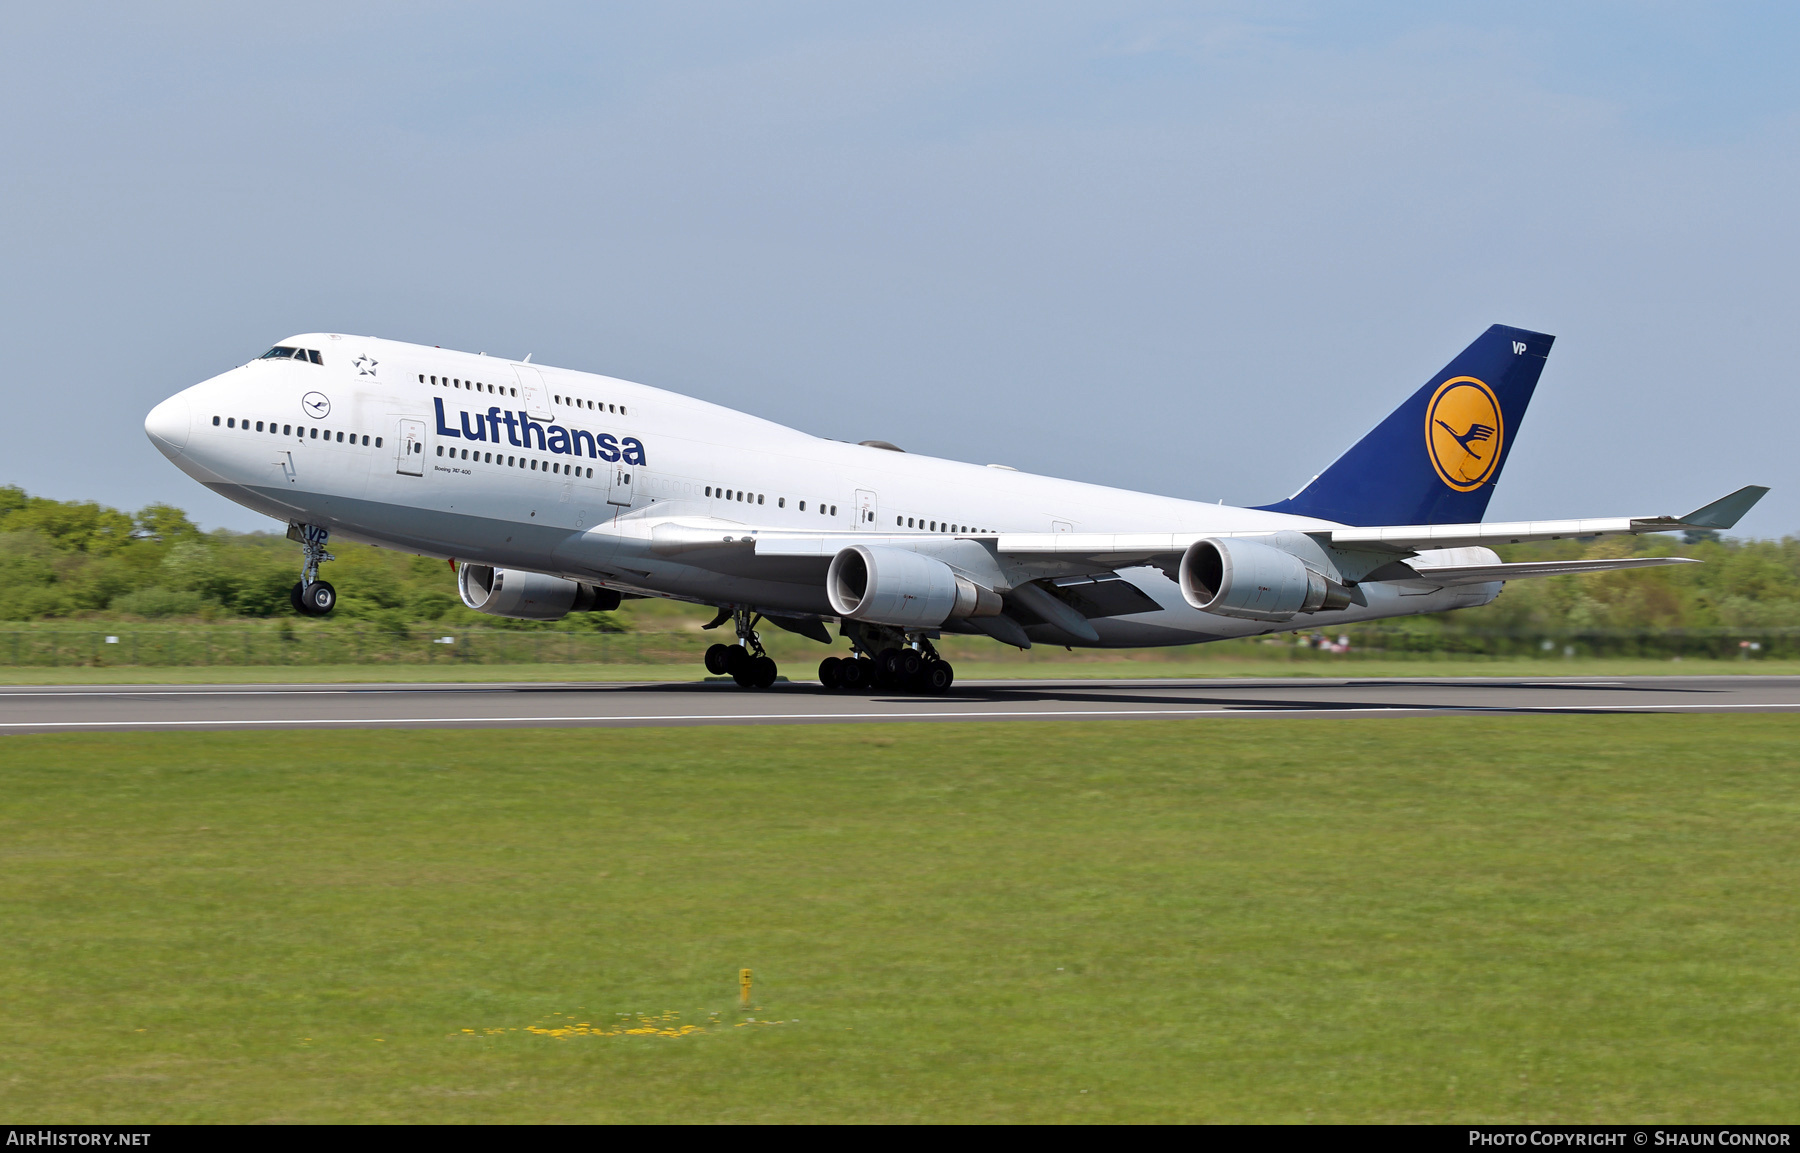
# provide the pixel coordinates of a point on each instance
(85, 694)
(1226, 710)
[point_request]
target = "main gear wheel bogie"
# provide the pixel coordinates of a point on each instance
(744, 662)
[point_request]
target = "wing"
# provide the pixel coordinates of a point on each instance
(1060, 581)
(1071, 551)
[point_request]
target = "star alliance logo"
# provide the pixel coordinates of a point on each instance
(364, 365)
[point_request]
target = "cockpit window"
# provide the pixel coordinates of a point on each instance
(283, 352)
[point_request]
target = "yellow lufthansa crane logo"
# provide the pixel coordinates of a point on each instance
(1464, 432)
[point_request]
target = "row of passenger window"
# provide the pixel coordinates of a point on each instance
(531, 462)
(935, 526)
(831, 510)
(507, 390)
(471, 385)
(578, 402)
(757, 498)
(305, 432)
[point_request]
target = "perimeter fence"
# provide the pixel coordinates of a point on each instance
(1649, 644)
(325, 643)
(205, 645)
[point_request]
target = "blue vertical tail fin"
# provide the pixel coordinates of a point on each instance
(1436, 458)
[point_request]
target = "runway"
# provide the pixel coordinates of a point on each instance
(49, 709)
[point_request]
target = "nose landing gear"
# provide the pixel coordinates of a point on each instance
(745, 662)
(311, 596)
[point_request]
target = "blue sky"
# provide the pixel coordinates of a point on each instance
(1195, 249)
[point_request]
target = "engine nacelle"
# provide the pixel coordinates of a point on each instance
(891, 586)
(1240, 578)
(528, 596)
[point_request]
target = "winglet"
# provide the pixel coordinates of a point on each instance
(1726, 511)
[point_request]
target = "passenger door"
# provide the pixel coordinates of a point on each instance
(619, 489)
(866, 512)
(532, 396)
(410, 448)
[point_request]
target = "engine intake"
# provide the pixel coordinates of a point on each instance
(890, 586)
(1250, 581)
(528, 596)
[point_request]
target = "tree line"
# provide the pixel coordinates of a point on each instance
(83, 560)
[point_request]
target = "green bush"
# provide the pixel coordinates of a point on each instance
(159, 602)
(431, 605)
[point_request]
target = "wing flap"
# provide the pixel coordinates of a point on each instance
(1469, 574)
(1104, 595)
(1416, 537)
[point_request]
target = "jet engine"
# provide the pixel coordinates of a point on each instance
(891, 586)
(1254, 582)
(528, 596)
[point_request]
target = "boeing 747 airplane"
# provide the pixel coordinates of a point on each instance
(553, 491)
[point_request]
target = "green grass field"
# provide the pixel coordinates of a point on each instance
(1545, 919)
(807, 669)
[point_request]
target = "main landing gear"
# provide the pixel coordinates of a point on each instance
(912, 667)
(883, 659)
(311, 596)
(744, 662)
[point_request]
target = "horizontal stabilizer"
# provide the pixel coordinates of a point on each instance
(1471, 574)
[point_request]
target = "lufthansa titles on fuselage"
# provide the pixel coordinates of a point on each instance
(520, 430)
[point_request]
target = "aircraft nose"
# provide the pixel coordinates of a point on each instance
(168, 425)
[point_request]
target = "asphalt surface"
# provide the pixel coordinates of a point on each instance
(98, 708)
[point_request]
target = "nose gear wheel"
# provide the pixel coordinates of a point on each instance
(311, 596)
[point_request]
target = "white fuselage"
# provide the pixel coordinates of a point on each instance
(413, 449)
